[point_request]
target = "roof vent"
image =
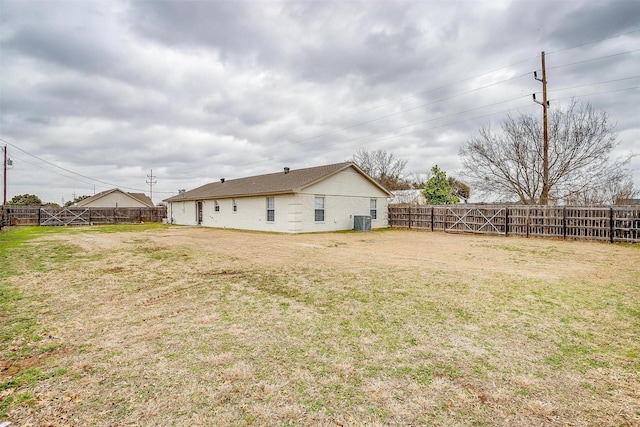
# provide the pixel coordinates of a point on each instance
(181, 191)
(221, 179)
(286, 170)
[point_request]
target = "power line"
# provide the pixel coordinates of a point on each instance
(390, 130)
(460, 121)
(421, 93)
(431, 128)
(48, 170)
(349, 140)
(440, 118)
(409, 109)
(597, 83)
(594, 59)
(35, 181)
(412, 108)
(457, 95)
(594, 42)
(425, 129)
(597, 93)
(74, 173)
(476, 117)
(486, 73)
(458, 82)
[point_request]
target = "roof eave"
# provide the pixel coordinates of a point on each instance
(229, 196)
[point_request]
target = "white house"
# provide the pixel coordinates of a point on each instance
(322, 198)
(408, 197)
(116, 198)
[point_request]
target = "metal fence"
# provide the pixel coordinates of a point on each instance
(47, 215)
(612, 224)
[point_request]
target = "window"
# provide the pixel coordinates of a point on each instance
(235, 206)
(199, 211)
(373, 208)
(319, 208)
(271, 209)
(216, 206)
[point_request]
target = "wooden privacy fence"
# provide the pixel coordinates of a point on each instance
(47, 215)
(612, 224)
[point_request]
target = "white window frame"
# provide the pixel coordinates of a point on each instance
(318, 208)
(216, 206)
(235, 206)
(373, 208)
(271, 209)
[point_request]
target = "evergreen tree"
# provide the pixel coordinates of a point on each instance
(437, 190)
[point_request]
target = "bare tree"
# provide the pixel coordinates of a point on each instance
(509, 163)
(614, 192)
(459, 189)
(384, 167)
(623, 192)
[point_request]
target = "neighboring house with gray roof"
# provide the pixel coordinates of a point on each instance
(322, 198)
(116, 198)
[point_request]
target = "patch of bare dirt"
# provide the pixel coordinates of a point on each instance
(469, 254)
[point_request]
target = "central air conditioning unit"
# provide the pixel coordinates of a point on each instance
(361, 223)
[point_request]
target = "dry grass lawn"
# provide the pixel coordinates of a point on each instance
(161, 325)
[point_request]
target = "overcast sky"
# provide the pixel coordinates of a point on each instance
(199, 90)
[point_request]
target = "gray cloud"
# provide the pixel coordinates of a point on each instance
(231, 29)
(65, 49)
(202, 89)
(591, 21)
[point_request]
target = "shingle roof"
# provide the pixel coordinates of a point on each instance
(141, 197)
(273, 183)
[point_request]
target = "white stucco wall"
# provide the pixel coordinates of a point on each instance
(347, 194)
(251, 214)
(183, 213)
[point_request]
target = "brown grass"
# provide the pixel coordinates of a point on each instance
(191, 326)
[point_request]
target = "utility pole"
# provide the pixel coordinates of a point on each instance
(6, 162)
(544, 195)
(151, 182)
(4, 203)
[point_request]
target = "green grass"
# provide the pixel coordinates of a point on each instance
(237, 328)
(21, 338)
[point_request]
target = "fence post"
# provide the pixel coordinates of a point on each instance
(444, 222)
(432, 218)
(506, 221)
(40, 216)
(564, 222)
(611, 239)
(409, 217)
